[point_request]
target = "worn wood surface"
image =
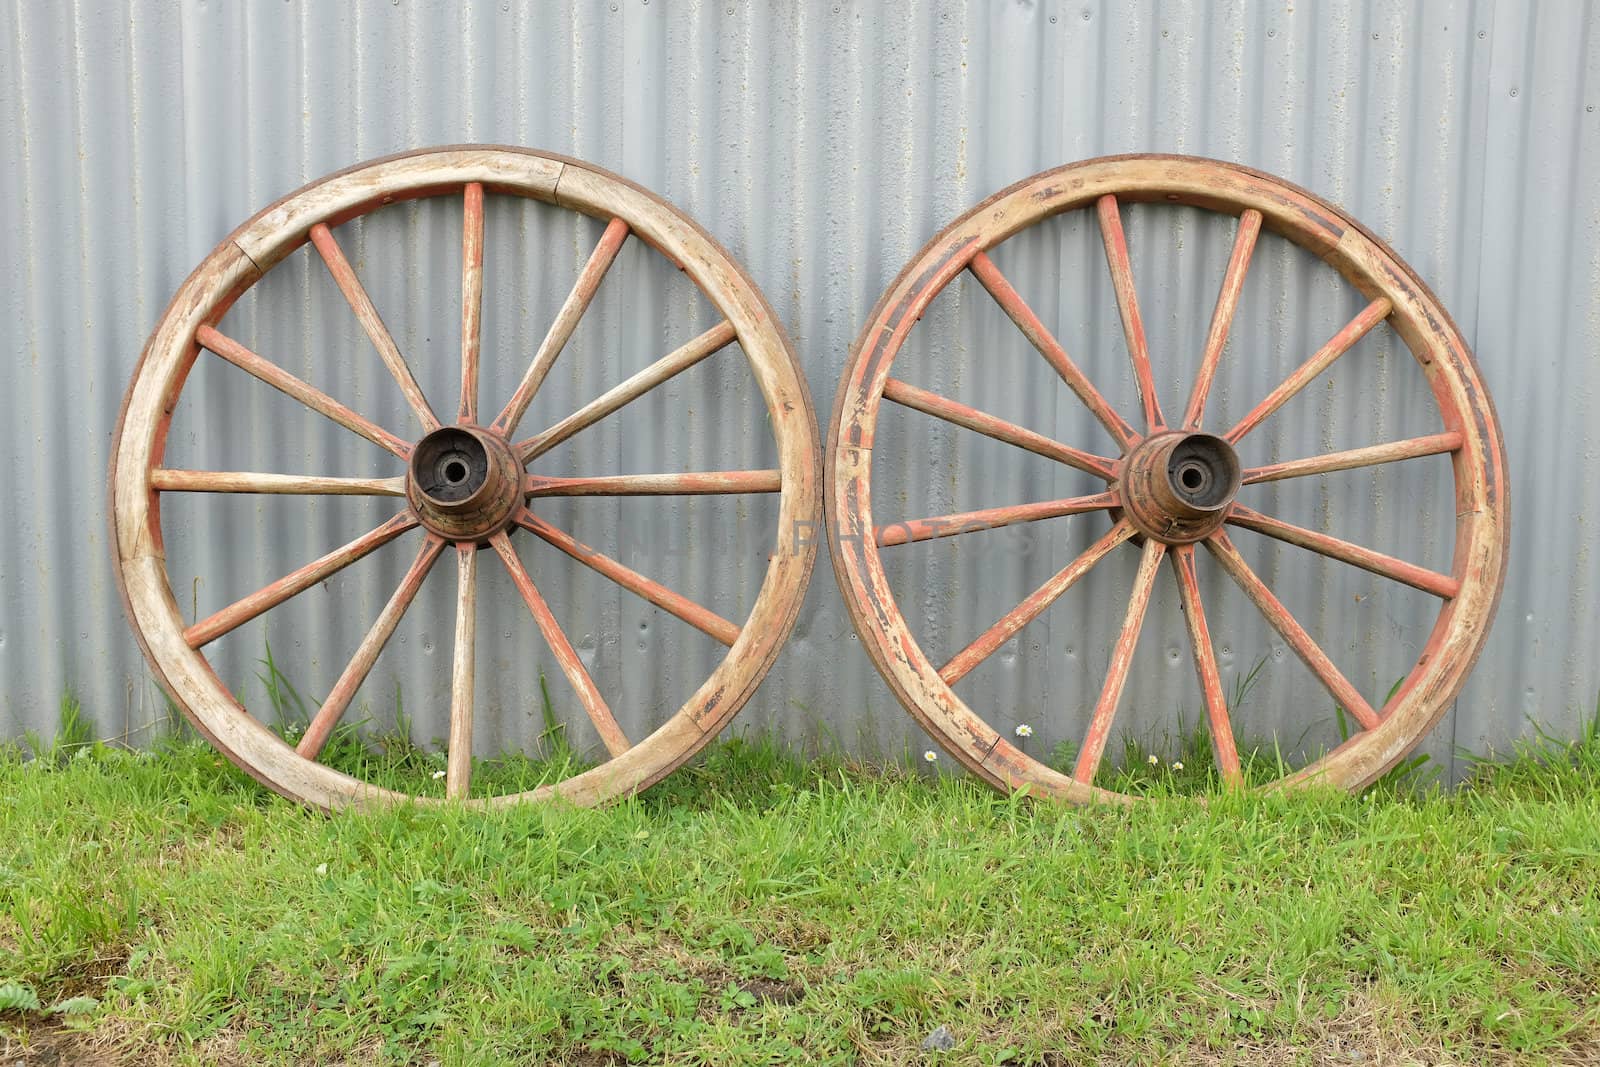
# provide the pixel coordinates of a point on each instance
(950, 411)
(186, 481)
(361, 664)
(471, 299)
(1244, 246)
(561, 330)
(463, 666)
(701, 618)
(674, 363)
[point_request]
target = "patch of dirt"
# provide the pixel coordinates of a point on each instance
(593, 1058)
(87, 978)
(45, 1044)
(772, 990)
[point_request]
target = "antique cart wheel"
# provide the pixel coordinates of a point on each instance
(459, 481)
(1170, 485)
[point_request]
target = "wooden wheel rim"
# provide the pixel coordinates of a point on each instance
(242, 258)
(1478, 462)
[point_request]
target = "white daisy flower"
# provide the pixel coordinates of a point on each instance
(438, 775)
(1177, 765)
(1024, 730)
(930, 755)
(1153, 760)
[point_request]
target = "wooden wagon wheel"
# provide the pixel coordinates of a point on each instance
(459, 483)
(1170, 486)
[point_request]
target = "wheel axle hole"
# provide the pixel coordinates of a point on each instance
(1203, 471)
(449, 465)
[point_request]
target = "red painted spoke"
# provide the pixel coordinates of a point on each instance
(577, 302)
(1116, 244)
(1293, 633)
(1337, 345)
(950, 411)
(700, 483)
(594, 704)
(1205, 665)
(169, 479)
(360, 665)
(1094, 744)
(703, 619)
(1440, 585)
(1370, 456)
(356, 295)
(901, 533)
(674, 363)
(458, 766)
(471, 299)
(265, 599)
(1244, 243)
(289, 385)
(1040, 599)
(1039, 336)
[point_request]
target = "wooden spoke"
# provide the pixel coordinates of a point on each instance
(1244, 244)
(1116, 244)
(1094, 743)
(356, 295)
(184, 481)
(1440, 585)
(458, 766)
(691, 484)
(1370, 456)
(1337, 345)
(471, 298)
(599, 713)
(961, 415)
(674, 363)
(1310, 653)
(1205, 665)
(703, 619)
(901, 533)
(1040, 599)
(360, 665)
(242, 611)
(577, 302)
(309, 395)
(1039, 336)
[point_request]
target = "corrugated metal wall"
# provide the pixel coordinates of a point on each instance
(823, 144)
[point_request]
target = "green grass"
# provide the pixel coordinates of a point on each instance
(759, 909)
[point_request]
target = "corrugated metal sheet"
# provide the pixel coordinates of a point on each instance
(823, 144)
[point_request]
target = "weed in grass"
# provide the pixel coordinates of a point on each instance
(73, 734)
(290, 713)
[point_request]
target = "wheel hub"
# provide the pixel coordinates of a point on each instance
(464, 482)
(1177, 486)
